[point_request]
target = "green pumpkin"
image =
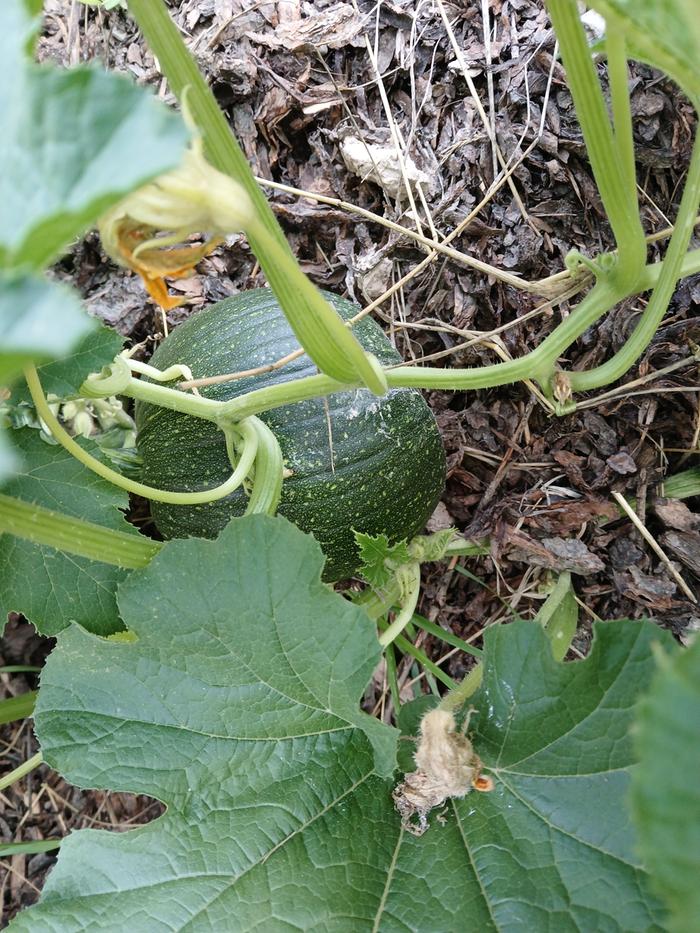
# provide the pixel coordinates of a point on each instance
(358, 462)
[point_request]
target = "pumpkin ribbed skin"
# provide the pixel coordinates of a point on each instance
(383, 471)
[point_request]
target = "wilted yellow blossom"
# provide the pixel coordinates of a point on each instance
(447, 767)
(146, 231)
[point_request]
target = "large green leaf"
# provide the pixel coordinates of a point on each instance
(50, 587)
(63, 377)
(74, 142)
(664, 33)
(39, 320)
(666, 788)
(237, 707)
(9, 461)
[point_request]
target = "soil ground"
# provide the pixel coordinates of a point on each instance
(307, 88)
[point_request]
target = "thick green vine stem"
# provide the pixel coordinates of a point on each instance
(538, 364)
(408, 579)
(618, 76)
(375, 605)
(453, 701)
(671, 272)
(266, 491)
(318, 327)
(612, 173)
(246, 431)
(75, 535)
(18, 773)
(117, 379)
(259, 442)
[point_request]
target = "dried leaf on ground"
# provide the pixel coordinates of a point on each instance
(684, 546)
(554, 554)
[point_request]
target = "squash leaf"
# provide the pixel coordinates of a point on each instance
(39, 321)
(64, 377)
(50, 587)
(666, 792)
(9, 462)
(74, 143)
(238, 708)
(377, 554)
(663, 33)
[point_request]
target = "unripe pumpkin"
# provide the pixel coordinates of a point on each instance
(358, 462)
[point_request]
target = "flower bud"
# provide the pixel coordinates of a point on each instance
(82, 424)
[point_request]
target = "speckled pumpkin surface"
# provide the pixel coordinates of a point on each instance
(358, 462)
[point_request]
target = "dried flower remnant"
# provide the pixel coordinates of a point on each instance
(146, 231)
(447, 767)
